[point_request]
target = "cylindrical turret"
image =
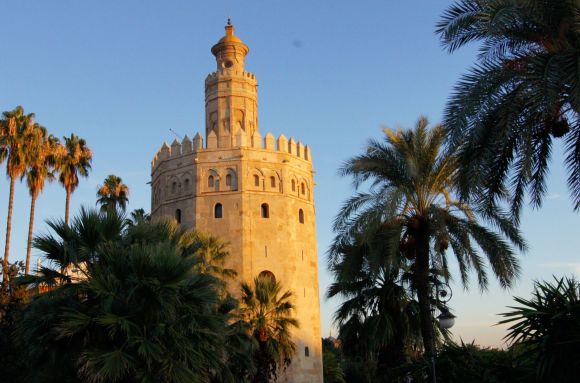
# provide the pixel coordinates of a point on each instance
(231, 100)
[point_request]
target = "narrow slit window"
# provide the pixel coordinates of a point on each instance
(178, 215)
(273, 181)
(187, 184)
(293, 185)
(265, 210)
(303, 188)
(306, 351)
(301, 216)
(218, 210)
(210, 182)
(256, 180)
(229, 180)
(174, 187)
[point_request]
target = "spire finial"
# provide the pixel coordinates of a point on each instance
(229, 27)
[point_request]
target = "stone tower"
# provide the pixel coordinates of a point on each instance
(255, 193)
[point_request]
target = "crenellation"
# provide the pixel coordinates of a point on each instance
(307, 153)
(269, 142)
(257, 140)
(300, 150)
(212, 141)
(292, 146)
(197, 142)
(175, 149)
(186, 145)
(282, 143)
(164, 152)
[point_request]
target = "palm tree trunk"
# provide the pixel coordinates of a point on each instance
(423, 291)
(66, 210)
(30, 227)
(8, 230)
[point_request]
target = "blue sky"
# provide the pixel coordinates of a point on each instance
(122, 73)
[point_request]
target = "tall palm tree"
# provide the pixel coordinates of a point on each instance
(113, 194)
(17, 140)
(267, 312)
(521, 96)
(77, 161)
(412, 182)
(43, 158)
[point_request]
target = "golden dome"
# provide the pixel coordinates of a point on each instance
(229, 40)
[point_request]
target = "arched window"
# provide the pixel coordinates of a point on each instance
(174, 187)
(293, 185)
(265, 210)
(187, 184)
(178, 215)
(301, 216)
(268, 274)
(210, 182)
(303, 188)
(218, 210)
(273, 181)
(256, 180)
(229, 180)
(306, 351)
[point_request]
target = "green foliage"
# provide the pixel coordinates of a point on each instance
(12, 360)
(398, 232)
(547, 328)
(521, 95)
(378, 317)
(460, 363)
(332, 362)
(267, 312)
(128, 304)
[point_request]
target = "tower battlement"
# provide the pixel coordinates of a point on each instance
(268, 143)
(228, 72)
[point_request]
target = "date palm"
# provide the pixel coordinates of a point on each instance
(268, 315)
(17, 140)
(522, 95)
(113, 194)
(412, 182)
(76, 162)
(43, 158)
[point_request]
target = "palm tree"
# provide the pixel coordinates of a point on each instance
(77, 161)
(267, 312)
(127, 308)
(378, 318)
(412, 182)
(211, 253)
(17, 140)
(137, 217)
(44, 155)
(521, 96)
(547, 326)
(113, 194)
